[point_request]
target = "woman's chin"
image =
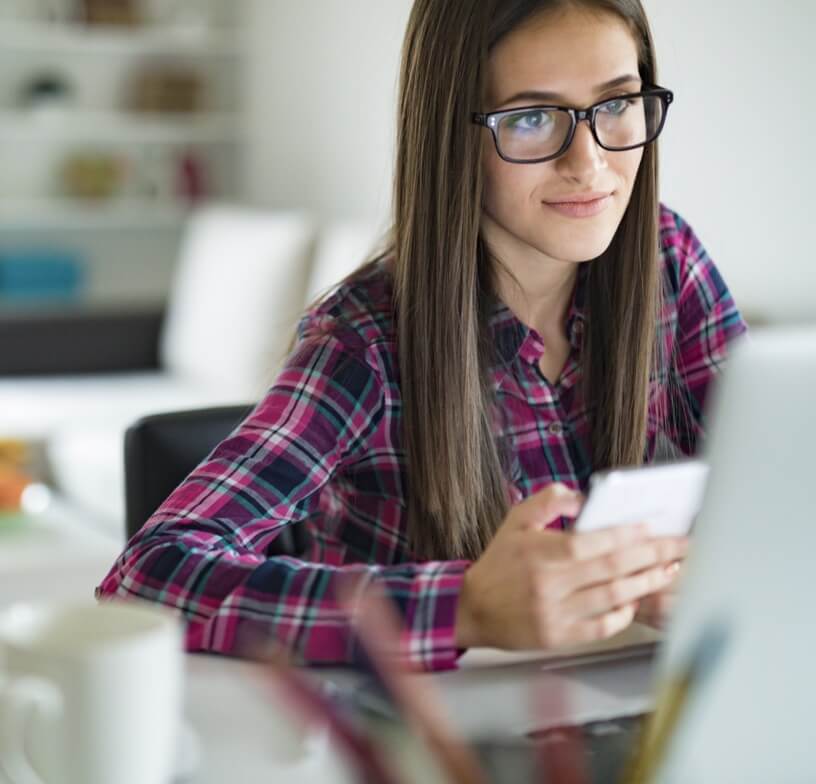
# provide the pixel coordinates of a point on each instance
(574, 249)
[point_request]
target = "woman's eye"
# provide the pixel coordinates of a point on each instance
(529, 121)
(617, 107)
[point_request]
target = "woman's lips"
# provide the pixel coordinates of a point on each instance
(581, 209)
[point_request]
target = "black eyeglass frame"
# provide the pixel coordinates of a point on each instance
(491, 121)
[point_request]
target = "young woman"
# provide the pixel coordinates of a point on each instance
(537, 316)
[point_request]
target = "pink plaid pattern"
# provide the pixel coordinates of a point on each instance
(323, 448)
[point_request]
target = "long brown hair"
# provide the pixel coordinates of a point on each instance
(457, 494)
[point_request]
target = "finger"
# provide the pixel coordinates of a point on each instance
(675, 571)
(671, 549)
(600, 599)
(632, 559)
(583, 547)
(542, 508)
(601, 627)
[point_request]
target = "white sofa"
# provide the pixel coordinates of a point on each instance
(242, 279)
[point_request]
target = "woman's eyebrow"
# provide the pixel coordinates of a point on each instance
(537, 95)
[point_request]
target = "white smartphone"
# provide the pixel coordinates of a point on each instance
(667, 497)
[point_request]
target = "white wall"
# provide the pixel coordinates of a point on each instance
(737, 158)
(321, 92)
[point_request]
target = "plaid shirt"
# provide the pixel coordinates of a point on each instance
(324, 447)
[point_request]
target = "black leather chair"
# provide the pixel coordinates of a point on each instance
(161, 450)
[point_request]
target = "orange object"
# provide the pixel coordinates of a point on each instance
(12, 485)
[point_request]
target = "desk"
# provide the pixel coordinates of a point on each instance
(61, 552)
(243, 730)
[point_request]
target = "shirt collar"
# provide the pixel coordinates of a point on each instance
(514, 338)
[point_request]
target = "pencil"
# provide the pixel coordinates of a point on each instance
(673, 699)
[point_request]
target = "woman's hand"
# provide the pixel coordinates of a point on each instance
(536, 588)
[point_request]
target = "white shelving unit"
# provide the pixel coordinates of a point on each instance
(129, 241)
(68, 215)
(71, 39)
(117, 127)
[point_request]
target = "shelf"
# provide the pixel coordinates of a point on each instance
(123, 127)
(100, 61)
(81, 39)
(60, 214)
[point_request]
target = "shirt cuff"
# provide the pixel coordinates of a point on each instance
(430, 615)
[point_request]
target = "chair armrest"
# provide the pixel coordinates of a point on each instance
(53, 342)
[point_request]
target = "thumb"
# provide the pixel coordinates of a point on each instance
(554, 501)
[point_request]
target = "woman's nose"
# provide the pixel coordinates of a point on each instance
(584, 157)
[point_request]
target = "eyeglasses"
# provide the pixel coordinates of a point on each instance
(534, 134)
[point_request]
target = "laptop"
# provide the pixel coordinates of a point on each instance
(751, 577)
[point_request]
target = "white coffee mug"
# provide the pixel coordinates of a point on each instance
(89, 693)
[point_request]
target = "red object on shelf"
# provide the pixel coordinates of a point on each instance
(192, 178)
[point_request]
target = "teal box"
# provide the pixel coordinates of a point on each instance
(40, 274)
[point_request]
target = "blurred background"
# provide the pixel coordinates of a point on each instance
(178, 178)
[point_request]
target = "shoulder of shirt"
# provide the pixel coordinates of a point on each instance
(358, 314)
(681, 251)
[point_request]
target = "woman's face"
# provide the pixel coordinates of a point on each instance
(564, 59)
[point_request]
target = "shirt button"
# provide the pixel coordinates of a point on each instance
(556, 429)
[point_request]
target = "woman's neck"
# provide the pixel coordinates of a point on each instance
(537, 288)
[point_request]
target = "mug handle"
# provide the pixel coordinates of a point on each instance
(19, 698)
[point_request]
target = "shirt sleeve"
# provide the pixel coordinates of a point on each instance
(204, 551)
(708, 322)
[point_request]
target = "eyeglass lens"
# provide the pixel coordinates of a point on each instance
(539, 133)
